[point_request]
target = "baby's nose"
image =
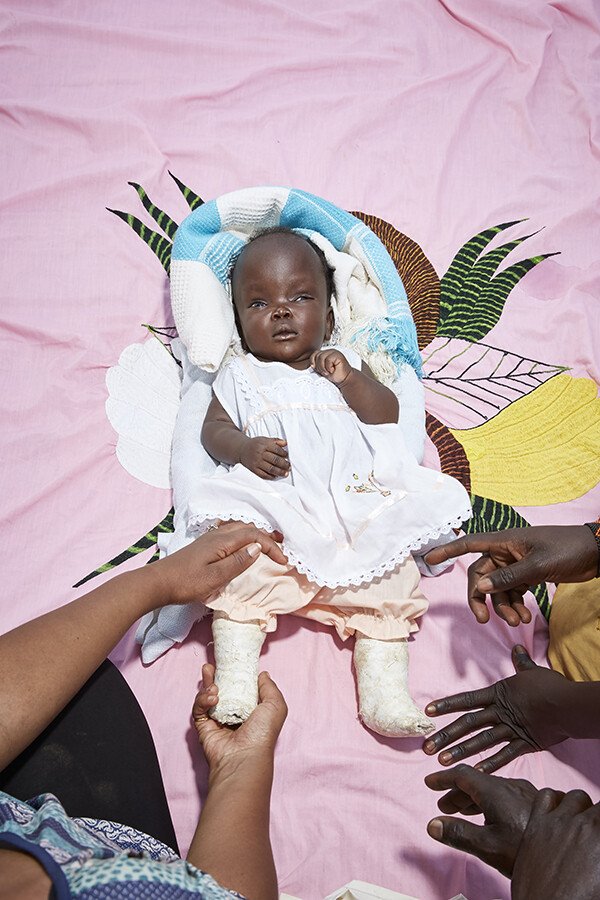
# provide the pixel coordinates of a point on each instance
(281, 312)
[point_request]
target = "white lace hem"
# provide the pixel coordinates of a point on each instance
(196, 522)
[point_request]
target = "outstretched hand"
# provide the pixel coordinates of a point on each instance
(521, 711)
(199, 570)
(506, 805)
(254, 739)
(517, 558)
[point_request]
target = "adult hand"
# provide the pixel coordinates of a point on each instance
(506, 806)
(523, 711)
(200, 569)
(514, 559)
(331, 364)
(558, 855)
(254, 739)
(266, 457)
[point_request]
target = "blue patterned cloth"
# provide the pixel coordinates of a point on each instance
(91, 859)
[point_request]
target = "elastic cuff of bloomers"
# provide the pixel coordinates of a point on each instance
(238, 611)
(380, 628)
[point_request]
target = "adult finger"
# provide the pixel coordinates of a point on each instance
(575, 802)
(268, 692)
(515, 748)
(463, 776)
(524, 571)
(461, 702)
(478, 744)
(237, 560)
(521, 659)
(502, 604)
(462, 726)
(469, 543)
(476, 599)
(204, 701)
(477, 840)
(269, 542)
(546, 800)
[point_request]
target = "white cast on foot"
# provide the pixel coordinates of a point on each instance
(237, 648)
(385, 705)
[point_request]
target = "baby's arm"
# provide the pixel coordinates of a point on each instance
(266, 457)
(372, 401)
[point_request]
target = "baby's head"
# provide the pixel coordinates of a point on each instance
(282, 288)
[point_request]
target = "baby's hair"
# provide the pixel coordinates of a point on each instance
(281, 229)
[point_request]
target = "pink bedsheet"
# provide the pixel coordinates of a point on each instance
(443, 118)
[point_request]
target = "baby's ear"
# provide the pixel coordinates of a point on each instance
(330, 324)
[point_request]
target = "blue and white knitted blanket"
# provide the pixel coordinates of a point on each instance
(370, 293)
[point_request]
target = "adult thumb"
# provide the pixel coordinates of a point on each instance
(521, 659)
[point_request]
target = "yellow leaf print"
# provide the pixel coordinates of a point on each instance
(542, 449)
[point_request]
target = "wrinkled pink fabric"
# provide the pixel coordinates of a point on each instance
(443, 118)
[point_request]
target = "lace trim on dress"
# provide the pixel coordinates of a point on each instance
(365, 577)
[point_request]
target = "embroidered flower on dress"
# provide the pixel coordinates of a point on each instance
(368, 487)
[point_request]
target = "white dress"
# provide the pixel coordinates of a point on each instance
(356, 502)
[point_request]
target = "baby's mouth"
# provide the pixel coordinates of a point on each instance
(284, 333)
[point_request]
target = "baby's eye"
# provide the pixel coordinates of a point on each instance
(301, 297)
(256, 304)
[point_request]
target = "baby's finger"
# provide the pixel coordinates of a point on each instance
(279, 447)
(282, 462)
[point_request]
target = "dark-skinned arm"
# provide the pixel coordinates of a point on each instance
(232, 838)
(43, 663)
(373, 402)
(266, 457)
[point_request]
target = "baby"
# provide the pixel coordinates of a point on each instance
(310, 446)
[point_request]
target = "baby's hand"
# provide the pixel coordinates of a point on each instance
(331, 364)
(266, 457)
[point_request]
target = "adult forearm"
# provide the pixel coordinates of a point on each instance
(223, 441)
(232, 840)
(43, 663)
(373, 402)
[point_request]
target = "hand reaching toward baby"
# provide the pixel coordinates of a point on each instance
(331, 364)
(266, 457)
(254, 739)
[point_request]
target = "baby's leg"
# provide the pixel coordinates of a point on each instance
(237, 647)
(243, 612)
(384, 701)
(381, 615)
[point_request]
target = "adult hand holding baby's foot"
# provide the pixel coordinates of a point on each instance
(256, 736)
(266, 457)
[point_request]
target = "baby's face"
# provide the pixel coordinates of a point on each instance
(280, 295)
